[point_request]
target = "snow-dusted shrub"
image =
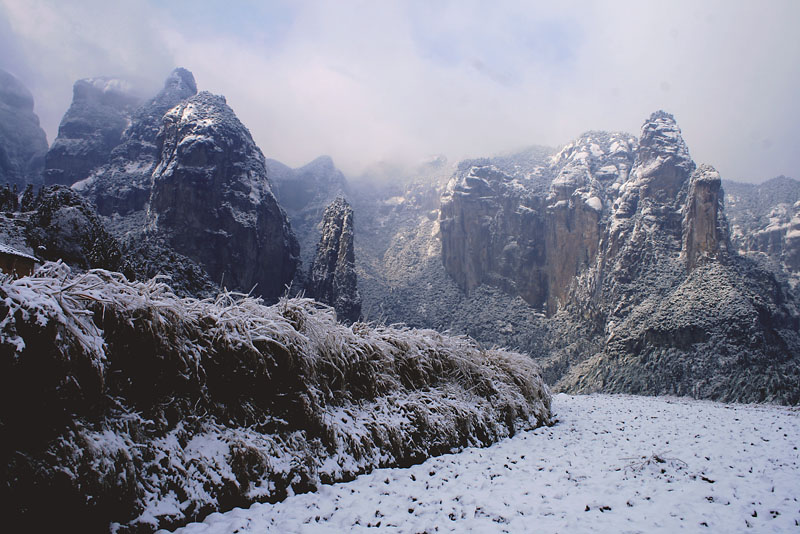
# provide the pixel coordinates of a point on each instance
(127, 406)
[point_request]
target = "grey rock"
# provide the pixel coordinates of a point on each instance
(211, 200)
(667, 310)
(510, 231)
(627, 251)
(332, 277)
(705, 228)
(304, 193)
(123, 185)
(23, 143)
(765, 218)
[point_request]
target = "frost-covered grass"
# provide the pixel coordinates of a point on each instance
(125, 404)
(610, 464)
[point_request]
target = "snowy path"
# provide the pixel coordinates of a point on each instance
(612, 464)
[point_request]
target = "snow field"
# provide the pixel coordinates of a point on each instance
(613, 463)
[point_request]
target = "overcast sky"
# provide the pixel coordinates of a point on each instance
(382, 80)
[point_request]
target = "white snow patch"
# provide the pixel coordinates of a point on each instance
(611, 464)
(595, 203)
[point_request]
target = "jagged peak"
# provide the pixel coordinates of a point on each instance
(179, 85)
(204, 109)
(338, 204)
(594, 144)
(661, 135)
(181, 77)
(663, 164)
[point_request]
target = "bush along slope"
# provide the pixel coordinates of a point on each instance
(127, 408)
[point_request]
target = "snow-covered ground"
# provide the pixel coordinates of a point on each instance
(611, 464)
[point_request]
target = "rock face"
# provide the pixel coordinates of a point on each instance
(531, 232)
(305, 193)
(765, 218)
(705, 228)
(123, 185)
(624, 244)
(669, 311)
(307, 185)
(23, 143)
(212, 202)
(101, 110)
(332, 278)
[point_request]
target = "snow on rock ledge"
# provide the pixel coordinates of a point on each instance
(127, 407)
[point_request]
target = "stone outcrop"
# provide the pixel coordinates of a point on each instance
(332, 277)
(212, 202)
(92, 127)
(705, 233)
(123, 185)
(624, 245)
(671, 312)
(23, 143)
(314, 182)
(532, 233)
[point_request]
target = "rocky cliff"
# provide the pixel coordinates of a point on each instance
(23, 143)
(670, 311)
(705, 229)
(624, 244)
(211, 200)
(530, 233)
(332, 277)
(92, 127)
(123, 185)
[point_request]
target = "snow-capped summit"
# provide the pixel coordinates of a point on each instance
(663, 164)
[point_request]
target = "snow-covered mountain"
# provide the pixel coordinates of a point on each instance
(617, 250)
(613, 262)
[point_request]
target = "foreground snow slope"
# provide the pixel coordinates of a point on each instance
(611, 464)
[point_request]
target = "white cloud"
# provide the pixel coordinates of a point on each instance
(381, 80)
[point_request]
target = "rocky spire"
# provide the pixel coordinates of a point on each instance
(664, 164)
(332, 279)
(705, 233)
